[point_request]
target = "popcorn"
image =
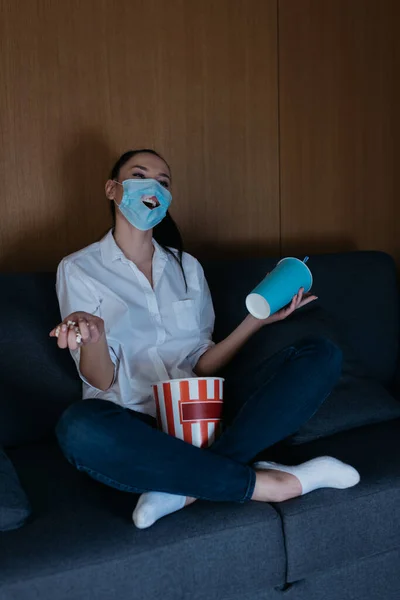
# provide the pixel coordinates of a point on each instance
(76, 328)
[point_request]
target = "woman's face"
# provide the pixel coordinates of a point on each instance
(140, 166)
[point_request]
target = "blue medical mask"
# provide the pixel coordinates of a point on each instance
(138, 191)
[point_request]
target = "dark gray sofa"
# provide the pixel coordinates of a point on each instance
(80, 543)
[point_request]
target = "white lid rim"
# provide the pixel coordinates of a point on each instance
(255, 304)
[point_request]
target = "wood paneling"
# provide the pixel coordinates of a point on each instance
(339, 125)
(84, 80)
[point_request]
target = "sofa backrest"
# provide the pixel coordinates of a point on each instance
(38, 381)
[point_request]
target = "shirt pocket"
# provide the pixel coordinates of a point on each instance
(185, 315)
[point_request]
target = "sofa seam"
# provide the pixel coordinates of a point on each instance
(285, 551)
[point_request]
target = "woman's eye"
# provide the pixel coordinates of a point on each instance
(140, 175)
(164, 184)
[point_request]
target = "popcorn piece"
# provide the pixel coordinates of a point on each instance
(76, 328)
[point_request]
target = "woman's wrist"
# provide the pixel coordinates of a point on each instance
(254, 324)
(96, 364)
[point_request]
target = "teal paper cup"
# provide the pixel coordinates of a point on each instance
(277, 289)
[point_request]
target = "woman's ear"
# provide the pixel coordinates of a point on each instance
(110, 189)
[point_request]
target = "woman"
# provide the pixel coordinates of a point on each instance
(143, 312)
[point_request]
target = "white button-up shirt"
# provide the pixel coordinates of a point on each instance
(153, 334)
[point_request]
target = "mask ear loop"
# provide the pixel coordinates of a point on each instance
(115, 181)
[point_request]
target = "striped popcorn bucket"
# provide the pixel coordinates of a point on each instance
(190, 409)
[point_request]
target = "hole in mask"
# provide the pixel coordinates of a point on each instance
(150, 201)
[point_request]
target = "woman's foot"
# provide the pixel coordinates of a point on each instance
(275, 486)
(274, 483)
(321, 472)
(152, 506)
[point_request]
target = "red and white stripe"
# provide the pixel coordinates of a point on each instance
(190, 409)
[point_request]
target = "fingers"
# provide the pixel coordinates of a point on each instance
(297, 299)
(72, 343)
(55, 331)
(300, 295)
(291, 308)
(300, 299)
(69, 335)
(84, 329)
(77, 329)
(62, 341)
(307, 300)
(94, 332)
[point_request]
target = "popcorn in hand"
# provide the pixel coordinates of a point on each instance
(76, 328)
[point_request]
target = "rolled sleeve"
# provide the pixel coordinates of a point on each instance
(75, 295)
(76, 355)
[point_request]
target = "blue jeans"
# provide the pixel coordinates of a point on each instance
(123, 449)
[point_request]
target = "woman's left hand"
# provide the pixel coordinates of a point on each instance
(299, 300)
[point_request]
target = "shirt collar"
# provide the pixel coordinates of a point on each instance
(110, 251)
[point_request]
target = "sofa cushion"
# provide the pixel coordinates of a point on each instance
(38, 380)
(358, 288)
(82, 532)
(14, 505)
(373, 578)
(330, 528)
(356, 401)
(313, 320)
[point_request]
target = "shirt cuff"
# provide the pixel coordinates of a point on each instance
(76, 355)
(195, 356)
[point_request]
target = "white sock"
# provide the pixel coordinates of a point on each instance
(322, 472)
(152, 506)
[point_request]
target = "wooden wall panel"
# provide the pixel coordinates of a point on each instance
(84, 80)
(339, 124)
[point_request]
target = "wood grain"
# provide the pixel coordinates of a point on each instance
(89, 79)
(339, 125)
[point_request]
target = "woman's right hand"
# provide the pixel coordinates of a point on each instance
(91, 329)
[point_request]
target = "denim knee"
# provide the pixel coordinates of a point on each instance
(327, 353)
(73, 430)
